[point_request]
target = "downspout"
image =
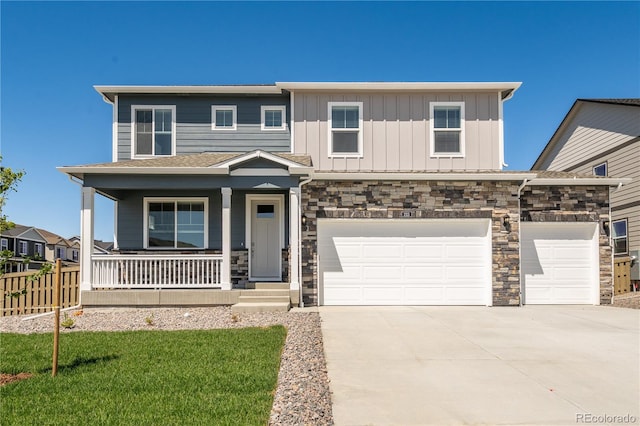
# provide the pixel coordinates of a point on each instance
(304, 182)
(520, 188)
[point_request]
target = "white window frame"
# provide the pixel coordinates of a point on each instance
(432, 130)
(626, 236)
(134, 108)
(23, 248)
(4, 244)
(38, 249)
(606, 169)
(233, 108)
(264, 109)
(330, 129)
(175, 200)
(74, 255)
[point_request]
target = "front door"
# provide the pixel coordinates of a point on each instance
(265, 250)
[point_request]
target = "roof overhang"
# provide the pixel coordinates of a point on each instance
(506, 88)
(109, 92)
(432, 176)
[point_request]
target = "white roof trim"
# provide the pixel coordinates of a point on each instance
(422, 176)
(256, 154)
(579, 181)
(399, 86)
(108, 92)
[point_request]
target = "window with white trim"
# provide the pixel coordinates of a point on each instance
(4, 244)
(22, 248)
(61, 253)
(224, 117)
(74, 255)
(176, 223)
(447, 129)
(619, 236)
(273, 117)
(153, 130)
(345, 129)
(600, 169)
(38, 250)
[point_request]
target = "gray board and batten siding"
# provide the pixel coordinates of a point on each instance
(193, 124)
(396, 131)
(130, 217)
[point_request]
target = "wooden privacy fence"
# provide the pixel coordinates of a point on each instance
(621, 275)
(39, 294)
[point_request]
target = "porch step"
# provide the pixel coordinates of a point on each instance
(244, 307)
(270, 286)
(264, 299)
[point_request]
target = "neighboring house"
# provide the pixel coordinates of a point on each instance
(602, 137)
(58, 247)
(27, 245)
(349, 193)
(99, 246)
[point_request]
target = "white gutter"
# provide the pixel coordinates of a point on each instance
(580, 181)
(399, 86)
(304, 182)
(49, 313)
(502, 176)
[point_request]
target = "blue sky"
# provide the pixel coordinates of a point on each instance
(53, 53)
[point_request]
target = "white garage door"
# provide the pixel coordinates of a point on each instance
(560, 263)
(404, 262)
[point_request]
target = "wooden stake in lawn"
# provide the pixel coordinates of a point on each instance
(56, 315)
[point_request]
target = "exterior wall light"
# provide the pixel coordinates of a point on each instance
(506, 222)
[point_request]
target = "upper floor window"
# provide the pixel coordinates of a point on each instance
(224, 117)
(619, 237)
(447, 129)
(38, 249)
(61, 253)
(153, 130)
(345, 129)
(22, 247)
(176, 223)
(273, 117)
(4, 244)
(600, 169)
(74, 255)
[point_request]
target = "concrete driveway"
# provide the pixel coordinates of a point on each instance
(476, 365)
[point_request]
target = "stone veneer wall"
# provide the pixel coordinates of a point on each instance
(574, 204)
(426, 199)
(240, 267)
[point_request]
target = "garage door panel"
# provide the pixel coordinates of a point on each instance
(560, 263)
(400, 262)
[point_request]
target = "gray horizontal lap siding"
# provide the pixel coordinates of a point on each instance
(131, 216)
(193, 124)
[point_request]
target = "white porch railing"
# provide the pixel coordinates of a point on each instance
(156, 271)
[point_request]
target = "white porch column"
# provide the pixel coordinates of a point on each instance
(86, 238)
(294, 238)
(226, 239)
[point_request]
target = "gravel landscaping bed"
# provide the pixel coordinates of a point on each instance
(629, 300)
(302, 395)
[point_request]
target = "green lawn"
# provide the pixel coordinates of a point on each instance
(203, 377)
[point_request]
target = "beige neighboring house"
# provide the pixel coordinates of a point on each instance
(602, 137)
(58, 247)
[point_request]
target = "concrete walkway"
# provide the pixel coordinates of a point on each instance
(539, 365)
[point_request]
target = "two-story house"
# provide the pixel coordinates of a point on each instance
(347, 193)
(27, 245)
(602, 137)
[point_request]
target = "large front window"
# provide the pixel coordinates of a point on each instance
(153, 130)
(447, 129)
(179, 223)
(345, 129)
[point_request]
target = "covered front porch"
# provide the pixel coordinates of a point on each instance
(192, 230)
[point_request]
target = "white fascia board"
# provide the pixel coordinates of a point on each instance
(109, 91)
(80, 171)
(398, 86)
(579, 181)
(422, 176)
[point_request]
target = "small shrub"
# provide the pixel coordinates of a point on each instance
(149, 320)
(235, 318)
(67, 322)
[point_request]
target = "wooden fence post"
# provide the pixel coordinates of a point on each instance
(56, 315)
